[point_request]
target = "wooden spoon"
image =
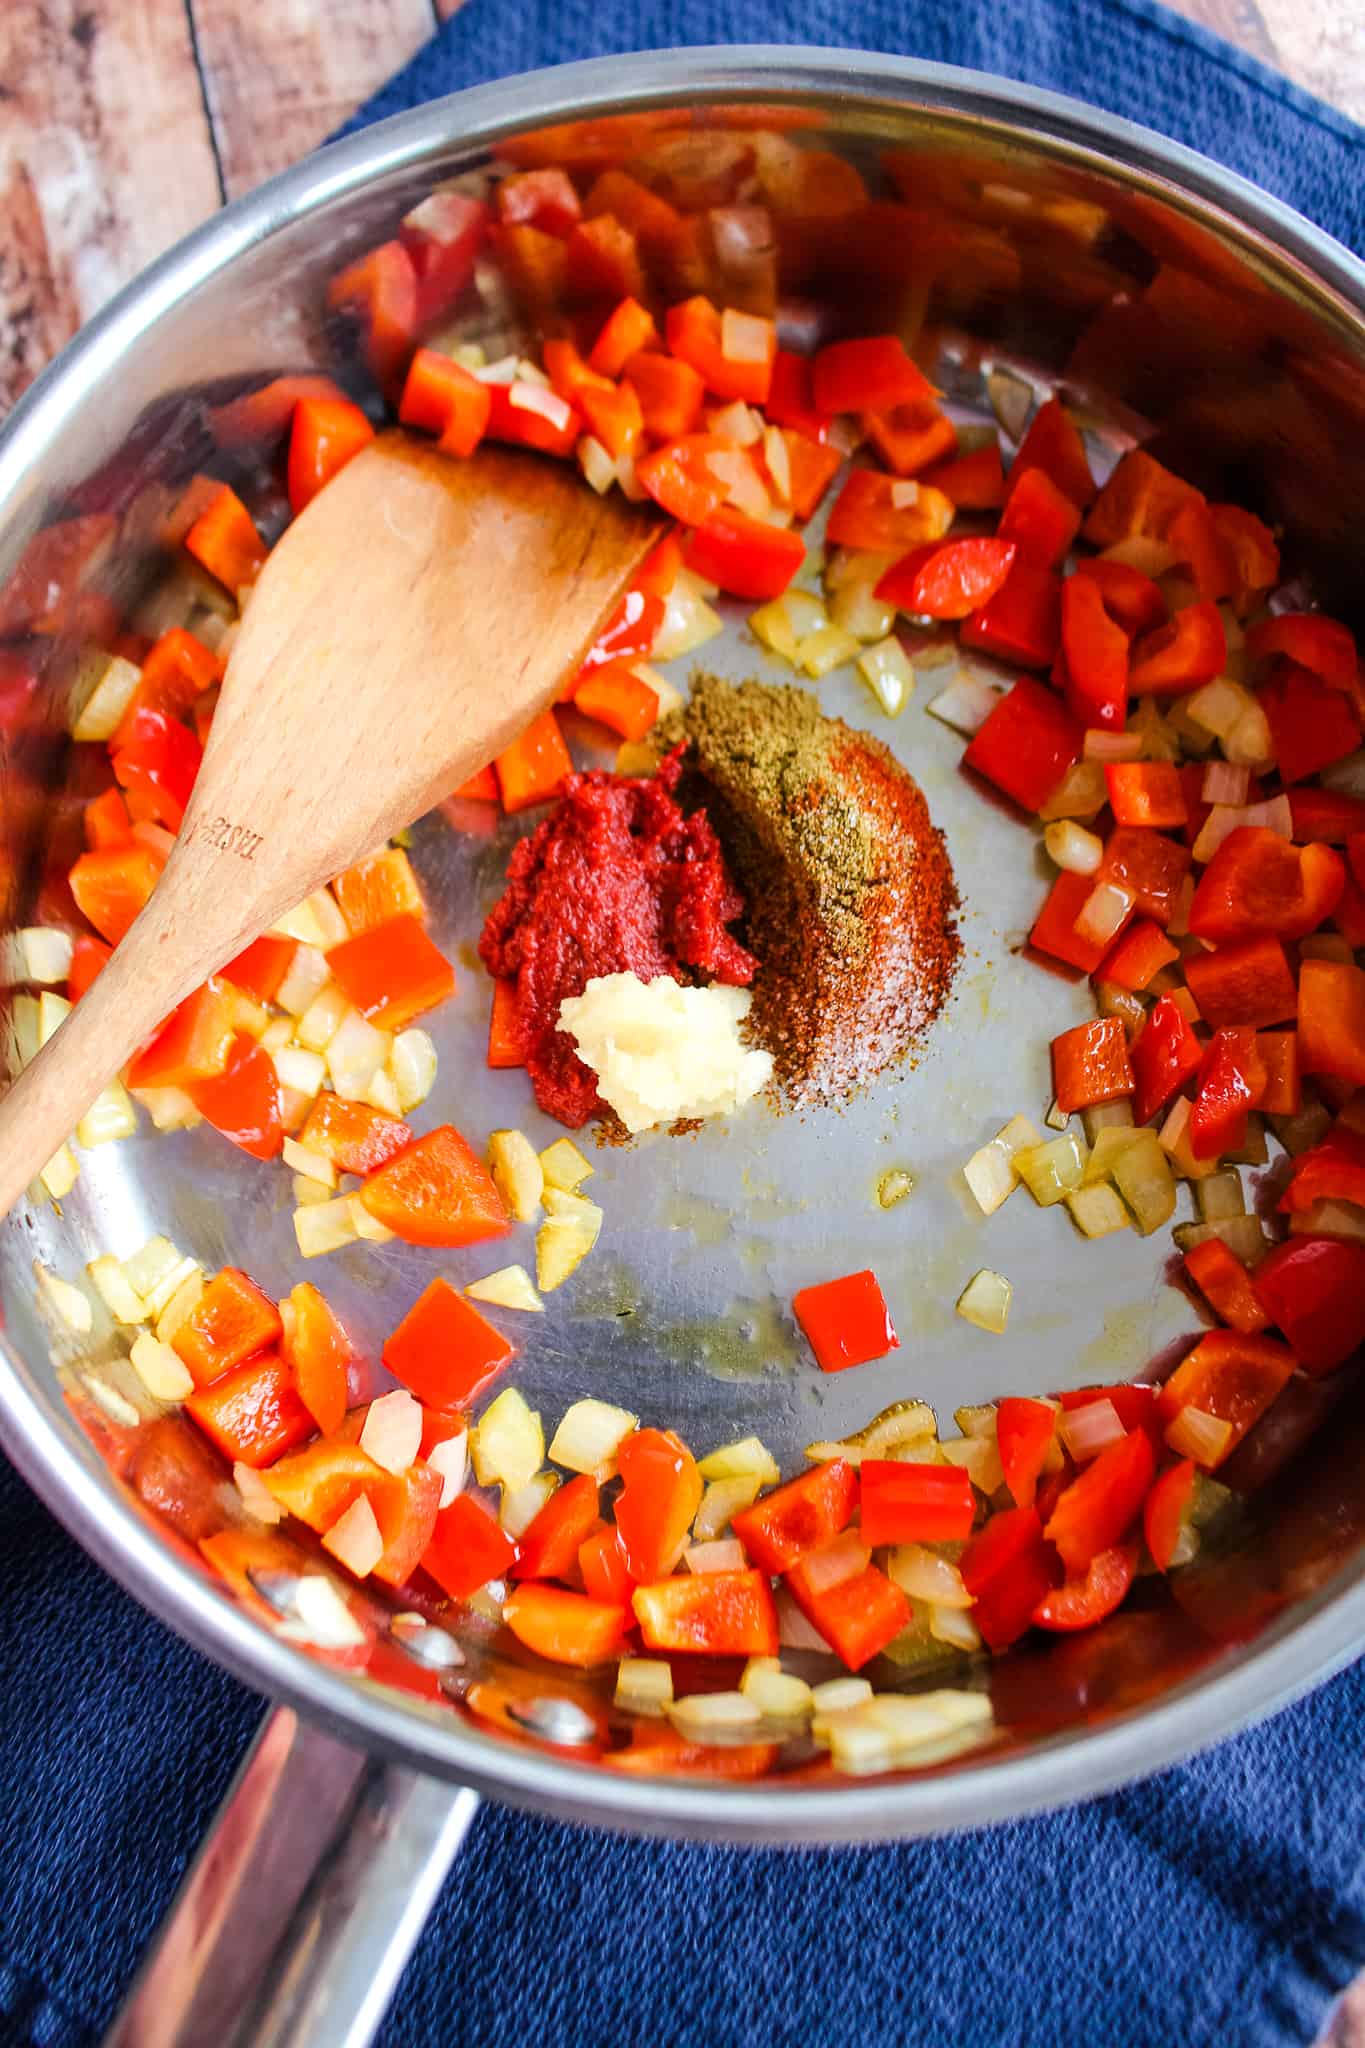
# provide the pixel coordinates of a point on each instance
(408, 626)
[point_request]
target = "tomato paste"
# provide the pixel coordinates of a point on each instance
(616, 881)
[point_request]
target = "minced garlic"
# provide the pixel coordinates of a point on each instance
(661, 1051)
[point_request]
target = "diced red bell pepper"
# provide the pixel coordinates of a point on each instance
(791, 401)
(444, 398)
(630, 632)
(111, 887)
(1331, 1171)
(1164, 1054)
(846, 1321)
(1279, 1052)
(380, 291)
(543, 198)
(1026, 745)
(438, 1192)
(230, 1323)
(1190, 649)
(1085, 1601)
(1096, 653)
(1133, 1401)
(804, 1515)
(716, 1614)
(670, 394)
(444, 1351)
(811, 470)
(504, 1031)
(261, 968)
(1098, 1508)
(678, 476)
(1258, 883)
(380, 887)
(1249, 982)
(392, 973)
(354, 1136)
(661, 1492)
(252, 1413)
(196, 1040)
(1230, 1376)
(243, 1102)
(224, 540)
(1053, 444)
(156, 763)
(1311, 723)
(262, 415)
(905, 1503)
(1319, 644)
(443, 237)
(615, 418)
(1008, 1568)
(467, 1548)
(1146, 793)
(909, 437)
(1023, 621)
(549, 1548)
(858, 1617)
(1148, 864)
(602, 260)
(1054, 929)
(326, 434)
(106, 822)
(1133, 600)
(178, 668)
(1024, 1430)
(627, 329)
(1224, 1282)
(569, 371)
(748, 557)
(534, 264)
(525, 425)
(88, 956)
(1090, 1064)
(694, 332)
(948, 579)
(618, 698)
(1251, 548)
(1231, 1082)
(1134, 961)
(1328, 814)
(318, 1352)
(564, 1627)
(975, 482)
(1039, 517)
(1197, 543)
(533, 768)
(1332, 1020)
(884, 515)
(871, 375)
(602, 1561)
(1313, 1288)
(1141, 498)
(1163, 1517)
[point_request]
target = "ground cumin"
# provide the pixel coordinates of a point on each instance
(849, 893)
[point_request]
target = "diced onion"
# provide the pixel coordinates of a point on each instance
(1225, 782)
(966, 704)
(255, 1496)
(355, 1053)
(978, 1456)
(744, 338)
(904, 493)
(1111, 746)
(160, 1369)
(925, 1575)
(1103, 913)
(115, 1405)
(1244, 1237)
(1097, 1211)
(743, 486)
(749, 1458)
(589, 1435)
(1052, 1170)
(321, 1021)
(644, 1685)
(954, 1626)
(706, 1714)
(508, 1443)
(779, 1695)
(722, 1499)
(450, 1458)
(1198, 1435)
(1274, 815)
(509, 1287)
(820, 652)
(1070, 847)
(308, 975)
(716, 1555)
(324, 1618)
(1081, 793)
(315, 1165)
(888, 671)
(517, 1173)
(595, 463)
(304, 1071)
(564, 1167)
(1143, 1177)
(103, 688)
(181, 1306)
(382, 1095)
(777, 461)
(502, 371)
(521, 1504)
(392, 1430)
(737, 423)
(528, 397)
(794, 1632)
(37, 953)
(354, 1539)
(985, 1301)
(110, 1116)
(838, 1695)
(841, 1559)
(413, 1066)
(1221, 1195)
(1089, 1430)
(688, 621)
(115, 1290)
(1329, 1217)
(71, 1304)
(324, 1227)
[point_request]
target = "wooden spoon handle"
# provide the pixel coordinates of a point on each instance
(189, 928)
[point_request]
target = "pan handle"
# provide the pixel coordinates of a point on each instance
(304, 1903)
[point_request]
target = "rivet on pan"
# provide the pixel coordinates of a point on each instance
(554, 1720)
(425, 1643)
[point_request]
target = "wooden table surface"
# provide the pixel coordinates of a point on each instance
(123, 123)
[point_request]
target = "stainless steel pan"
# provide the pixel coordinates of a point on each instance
(1167, 295)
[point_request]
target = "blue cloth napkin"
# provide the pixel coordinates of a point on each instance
(1222, 1902)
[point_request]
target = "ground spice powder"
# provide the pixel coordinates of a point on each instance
(849, 892)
